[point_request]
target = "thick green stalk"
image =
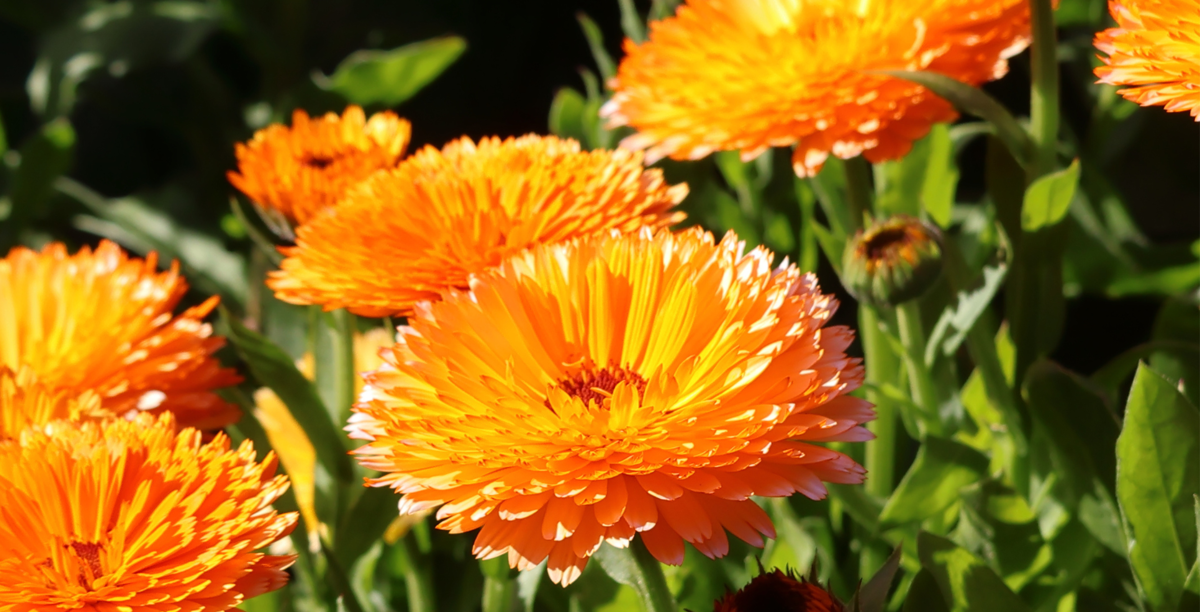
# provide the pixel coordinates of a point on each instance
(418, 575)
(858, 191)
(924, 393)
(1043, 103)
(635, 567)
(882, 367)
(343, 362)
(498, 594)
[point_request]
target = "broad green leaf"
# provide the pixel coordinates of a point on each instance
(941, 177)
(934, 482)
(924, 595)
(957, 320)
(966, 583)
(45, 157)
(1179, 320)
(566, 115)
(1048, 199)
(1158, 473)
(974, 101)
(275, 369)
(627, 566)
(595, 39)
(391, 77)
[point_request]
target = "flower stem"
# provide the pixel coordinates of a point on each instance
(343, 363)
(858, 191)
(418, 577)
(635, 567)
(924, 394)
(498, 594)
(882, 367)
(1043, 102)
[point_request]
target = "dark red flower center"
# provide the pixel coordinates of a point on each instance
(590, 384)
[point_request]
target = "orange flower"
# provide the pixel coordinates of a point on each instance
(753, 74)
(129, 515)
(101, 321)
(409, 234)
(620, 384)
(1154, 52)
(25, 402)
(779, 592)
(303, 170)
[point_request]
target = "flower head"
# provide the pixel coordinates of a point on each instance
(1154, 52)
(753, 74)
(302, 170)
(129, 515)
(644, 383)
(892, 261)
(779, 592)
(26, 402)
(101, 321)
(412, 233)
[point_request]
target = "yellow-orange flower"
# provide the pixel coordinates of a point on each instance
(411, 233)
(25, 402)
(1154, 52)
(305, 169)
(101, 321)
(753, 74)
(129, 515)
(609, 386)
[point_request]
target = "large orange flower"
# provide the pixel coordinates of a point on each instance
(101, 321)
(412, 233)
(1154, 52)
(621, 384)
(129, 515)
(305, 169)
(753, 74)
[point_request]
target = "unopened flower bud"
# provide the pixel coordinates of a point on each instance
(892, 261)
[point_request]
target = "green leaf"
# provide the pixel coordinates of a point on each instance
(45, 157)
(275, 369)
(1048, 199)
(934, 482)
(391, 77)
(872, 596)
(924, 179)
(631, 22)
(974, 101)
(1158, 473)
(566, 115)
(595, 38)
(635, 567)
(1117, 371)
(528, 582)
(924, 595)
(963, 315)
(941, 177)
(365, 523)
(966, 583)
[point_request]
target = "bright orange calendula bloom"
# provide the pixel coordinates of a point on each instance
(102, 321)
(302, 170)
(754, 74)
(409, 234)
(129, 515)
(618, 385)
(1154, 52)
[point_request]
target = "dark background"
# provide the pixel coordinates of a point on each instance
(168, 127)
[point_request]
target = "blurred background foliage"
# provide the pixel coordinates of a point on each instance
(119, 118)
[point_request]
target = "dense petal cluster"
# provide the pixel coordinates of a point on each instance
(130, 515)
(302, 170)
(1154, 52)
(614, 385)
(753, 74)
(26, 402)
(411, 233)
(101, 321)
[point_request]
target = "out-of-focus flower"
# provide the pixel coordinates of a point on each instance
(287, 437)
(25, 402)
(302, 170)
(1154, 52)
(101, 321)
(129, 515)
(892, 261)
(619, 384)
(412, 233)
(779, 592)
(754, 74)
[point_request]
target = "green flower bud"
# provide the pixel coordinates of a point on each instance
(893, 261)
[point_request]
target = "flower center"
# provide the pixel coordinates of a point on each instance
(884, 242)
(89, 555)
(590, 384)
(320, 162)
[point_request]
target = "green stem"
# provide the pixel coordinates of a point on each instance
(345, 375)
(882, 367)
(1043, 102)
(924, 393)
(635, 567)
(858, 191)
(418, 575)
(498, 594)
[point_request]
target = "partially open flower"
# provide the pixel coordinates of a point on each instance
(410, 234)
(132, 516)
(621, 385)
(1154, 52)
(102, 321)
(302, 170)
(893, 261)
(753, 74)
(778, 591)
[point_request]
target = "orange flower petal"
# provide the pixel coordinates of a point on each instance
(1154, 52)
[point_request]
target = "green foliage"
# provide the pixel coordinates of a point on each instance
(1048, 198)
(391, 77)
